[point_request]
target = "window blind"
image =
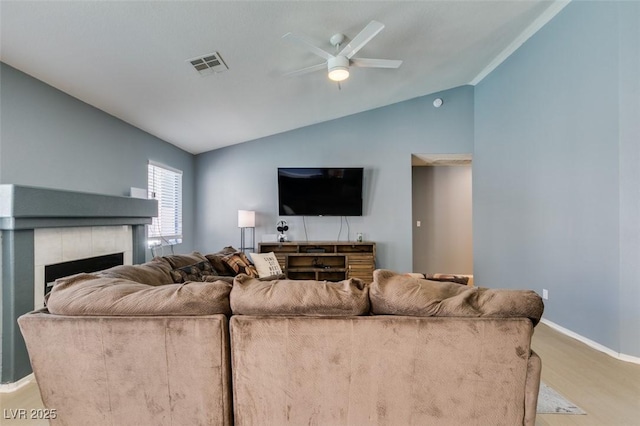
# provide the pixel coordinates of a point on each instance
(165, 185)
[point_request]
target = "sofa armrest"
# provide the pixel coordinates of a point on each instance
(532, 387)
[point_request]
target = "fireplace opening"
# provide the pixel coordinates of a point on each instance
(87, 265)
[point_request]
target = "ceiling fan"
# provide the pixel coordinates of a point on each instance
(338, 64)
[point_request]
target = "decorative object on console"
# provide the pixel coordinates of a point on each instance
(282, 227)
(247, 219)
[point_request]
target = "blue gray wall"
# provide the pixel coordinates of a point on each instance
(555, 172)
(50, 139)
(382, 141)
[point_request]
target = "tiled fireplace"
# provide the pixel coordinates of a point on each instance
(42, 227)
(54, 246)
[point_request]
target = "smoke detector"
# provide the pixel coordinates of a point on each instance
(208, 64)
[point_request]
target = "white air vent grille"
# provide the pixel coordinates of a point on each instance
(208, 64)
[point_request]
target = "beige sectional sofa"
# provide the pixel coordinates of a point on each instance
(128, 346)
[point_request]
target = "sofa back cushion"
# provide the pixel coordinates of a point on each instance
(250, 296)
(398, 294)
(152, 273)
(87, 294)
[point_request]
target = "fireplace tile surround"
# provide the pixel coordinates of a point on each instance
(57, 245)
(41, 226)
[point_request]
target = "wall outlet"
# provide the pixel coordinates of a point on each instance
(418, 224)
(545, 294)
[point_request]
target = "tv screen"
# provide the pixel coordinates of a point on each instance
(320, 191)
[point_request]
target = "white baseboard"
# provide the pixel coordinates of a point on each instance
(12, 387)
(595, 345)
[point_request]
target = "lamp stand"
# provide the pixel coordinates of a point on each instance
(244, 248)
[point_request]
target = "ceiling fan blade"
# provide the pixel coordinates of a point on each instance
(363, 37)
(376, 63)
(307, 70)
(307, 44)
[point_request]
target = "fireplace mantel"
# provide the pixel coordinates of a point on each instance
(25, 210)
(26, 207)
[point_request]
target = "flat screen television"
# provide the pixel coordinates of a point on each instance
(320, 191)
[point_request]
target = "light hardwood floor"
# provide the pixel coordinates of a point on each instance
(606, 388)
(26, 398)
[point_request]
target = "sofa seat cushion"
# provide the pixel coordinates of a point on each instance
(151, 273)
(88, 294)
(398, 294)
(251, 296)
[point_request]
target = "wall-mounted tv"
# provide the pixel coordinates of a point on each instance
(320, 191)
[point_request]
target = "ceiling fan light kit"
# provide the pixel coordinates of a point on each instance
(338, 68)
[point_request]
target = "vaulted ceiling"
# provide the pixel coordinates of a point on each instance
(132, 59)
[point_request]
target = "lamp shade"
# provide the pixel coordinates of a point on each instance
(246, 219)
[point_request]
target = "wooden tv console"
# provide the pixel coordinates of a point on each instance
(324, 260)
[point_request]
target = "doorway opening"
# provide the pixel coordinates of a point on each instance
(442, 214)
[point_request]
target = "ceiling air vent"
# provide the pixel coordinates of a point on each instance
(208, 64)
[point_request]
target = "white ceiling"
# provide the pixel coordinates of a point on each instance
(129, 58)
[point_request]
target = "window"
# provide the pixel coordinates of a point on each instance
(165, 185)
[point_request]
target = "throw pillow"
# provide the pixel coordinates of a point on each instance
(239, 263)
(218, 263)
(266, 264)
(193, 272)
